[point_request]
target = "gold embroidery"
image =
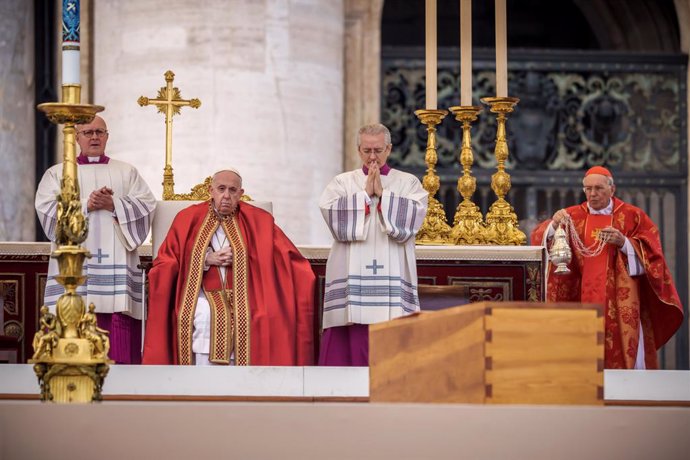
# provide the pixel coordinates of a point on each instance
(222, 340)
(190, 294)
(240, 299)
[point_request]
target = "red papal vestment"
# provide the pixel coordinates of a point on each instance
(271, 295)
(650, 299)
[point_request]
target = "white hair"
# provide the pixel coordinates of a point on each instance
(609, 180)
(374, 130)
(232, 170)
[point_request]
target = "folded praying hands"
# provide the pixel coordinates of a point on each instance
(222, 258)
(373, 186)
(101, 199)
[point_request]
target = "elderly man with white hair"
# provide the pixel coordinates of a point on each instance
(618, 263)
(374, 213)
(228, 287)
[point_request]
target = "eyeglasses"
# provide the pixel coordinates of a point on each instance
(90, 132)
(596, 188)
(376, 152)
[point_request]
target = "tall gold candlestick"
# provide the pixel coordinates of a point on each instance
(70, 353)
(435, 229)
(501, 220)
(468, 224)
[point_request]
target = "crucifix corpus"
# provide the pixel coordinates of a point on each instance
(169, 101)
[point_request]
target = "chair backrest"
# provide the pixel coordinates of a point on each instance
(166, 212)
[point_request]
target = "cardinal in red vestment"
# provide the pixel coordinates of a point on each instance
(629, 277)
(228, 287)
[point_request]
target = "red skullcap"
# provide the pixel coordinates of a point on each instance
(598, 170)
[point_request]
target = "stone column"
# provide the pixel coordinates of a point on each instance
(17, 155)
(269, 74)
(362, 71)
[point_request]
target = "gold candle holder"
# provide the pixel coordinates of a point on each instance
(70, 352)
(501, 220)
(468, 224)
(434, 229)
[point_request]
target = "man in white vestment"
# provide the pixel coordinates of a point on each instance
(373, 213)
(118, 206)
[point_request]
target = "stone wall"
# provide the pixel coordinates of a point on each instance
(17, 156)
(269, 75)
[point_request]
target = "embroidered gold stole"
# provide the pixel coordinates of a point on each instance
(230, 310)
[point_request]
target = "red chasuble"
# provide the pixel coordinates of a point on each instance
(269, 289)
(651, 299)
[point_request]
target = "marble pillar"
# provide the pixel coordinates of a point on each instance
(17, 155)
(269, 74)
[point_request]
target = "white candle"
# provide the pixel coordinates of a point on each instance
(431, 55)
(501, 50)
(465, 52)
(70, 42)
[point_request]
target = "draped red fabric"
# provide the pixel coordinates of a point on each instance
(651, 299)
(280, 284)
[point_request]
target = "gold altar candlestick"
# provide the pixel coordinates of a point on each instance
(70, 353)
(501, 220)
(468, 224)
(435, 229)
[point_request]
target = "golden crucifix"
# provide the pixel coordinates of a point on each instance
(169, 102)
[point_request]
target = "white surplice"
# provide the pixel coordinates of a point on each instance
(371, 274)
(114, 282)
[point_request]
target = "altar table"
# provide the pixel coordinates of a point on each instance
(479, 273)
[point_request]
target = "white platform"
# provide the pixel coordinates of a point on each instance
(348, 383)
(652, 386)
(140, 382)
(164, 412)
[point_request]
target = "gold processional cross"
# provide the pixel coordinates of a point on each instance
(169, 102)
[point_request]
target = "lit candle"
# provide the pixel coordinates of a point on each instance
(465, 52)
(70, 42)
(501, 50)
(431, 55)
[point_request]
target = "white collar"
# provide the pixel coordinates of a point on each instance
(607, 211)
